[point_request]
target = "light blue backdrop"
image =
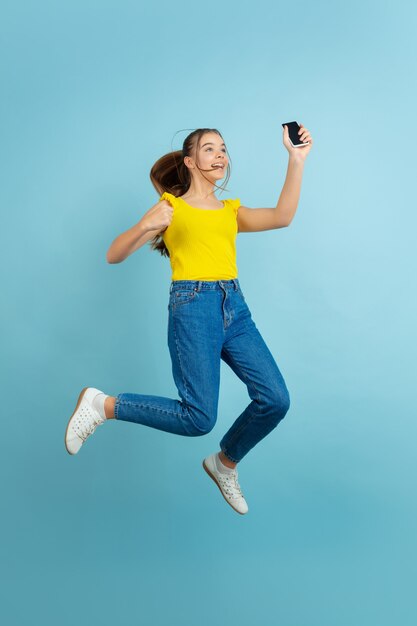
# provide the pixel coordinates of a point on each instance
(131, 531)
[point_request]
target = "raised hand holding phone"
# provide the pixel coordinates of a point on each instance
(297, 139)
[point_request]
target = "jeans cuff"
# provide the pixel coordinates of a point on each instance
(116, 407)
(228, 455)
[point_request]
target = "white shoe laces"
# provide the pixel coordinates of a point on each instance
(87, 422)
(230, 485)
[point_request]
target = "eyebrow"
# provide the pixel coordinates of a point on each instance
(211, 143)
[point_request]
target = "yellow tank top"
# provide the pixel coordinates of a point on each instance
(202, 242)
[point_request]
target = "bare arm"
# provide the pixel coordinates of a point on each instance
(128, 242)
(153, 222)
(251, 220)
(290, 194)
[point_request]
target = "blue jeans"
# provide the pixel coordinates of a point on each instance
(209, 321)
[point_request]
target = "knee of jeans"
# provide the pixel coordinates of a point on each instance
(278, 403)
(202, 423)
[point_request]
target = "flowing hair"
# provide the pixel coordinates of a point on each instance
(170, 174)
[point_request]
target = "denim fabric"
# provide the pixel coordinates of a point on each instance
(209, 321)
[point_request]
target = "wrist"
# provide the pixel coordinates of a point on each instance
(143, 226)
(296, 160)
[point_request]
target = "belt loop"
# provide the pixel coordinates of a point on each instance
(170, 289)
(235, 284)
(199, 285)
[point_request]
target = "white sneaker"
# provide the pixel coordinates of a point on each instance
(83, 421)
(228, 485)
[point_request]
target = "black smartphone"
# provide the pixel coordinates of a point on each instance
(293, 128)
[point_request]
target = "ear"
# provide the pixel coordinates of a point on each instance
(188, 162)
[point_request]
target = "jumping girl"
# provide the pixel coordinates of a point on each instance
(209, 318)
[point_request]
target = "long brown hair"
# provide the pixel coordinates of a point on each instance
(170, 174)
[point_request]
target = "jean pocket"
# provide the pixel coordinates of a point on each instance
(182, 296)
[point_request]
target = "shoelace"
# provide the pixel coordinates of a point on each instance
(88, 424)
(231, 485)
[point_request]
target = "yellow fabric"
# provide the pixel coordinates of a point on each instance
(202, 242)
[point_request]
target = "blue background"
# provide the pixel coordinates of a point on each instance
(131, 530)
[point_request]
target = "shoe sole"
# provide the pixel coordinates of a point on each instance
(214, 478)
(80, 397)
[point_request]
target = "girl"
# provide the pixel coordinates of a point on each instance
(209, 318)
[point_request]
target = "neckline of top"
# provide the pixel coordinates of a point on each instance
(200, 209)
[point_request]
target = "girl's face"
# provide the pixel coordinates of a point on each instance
(212, 156)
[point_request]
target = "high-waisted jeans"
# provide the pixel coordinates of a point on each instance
(209, 321)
